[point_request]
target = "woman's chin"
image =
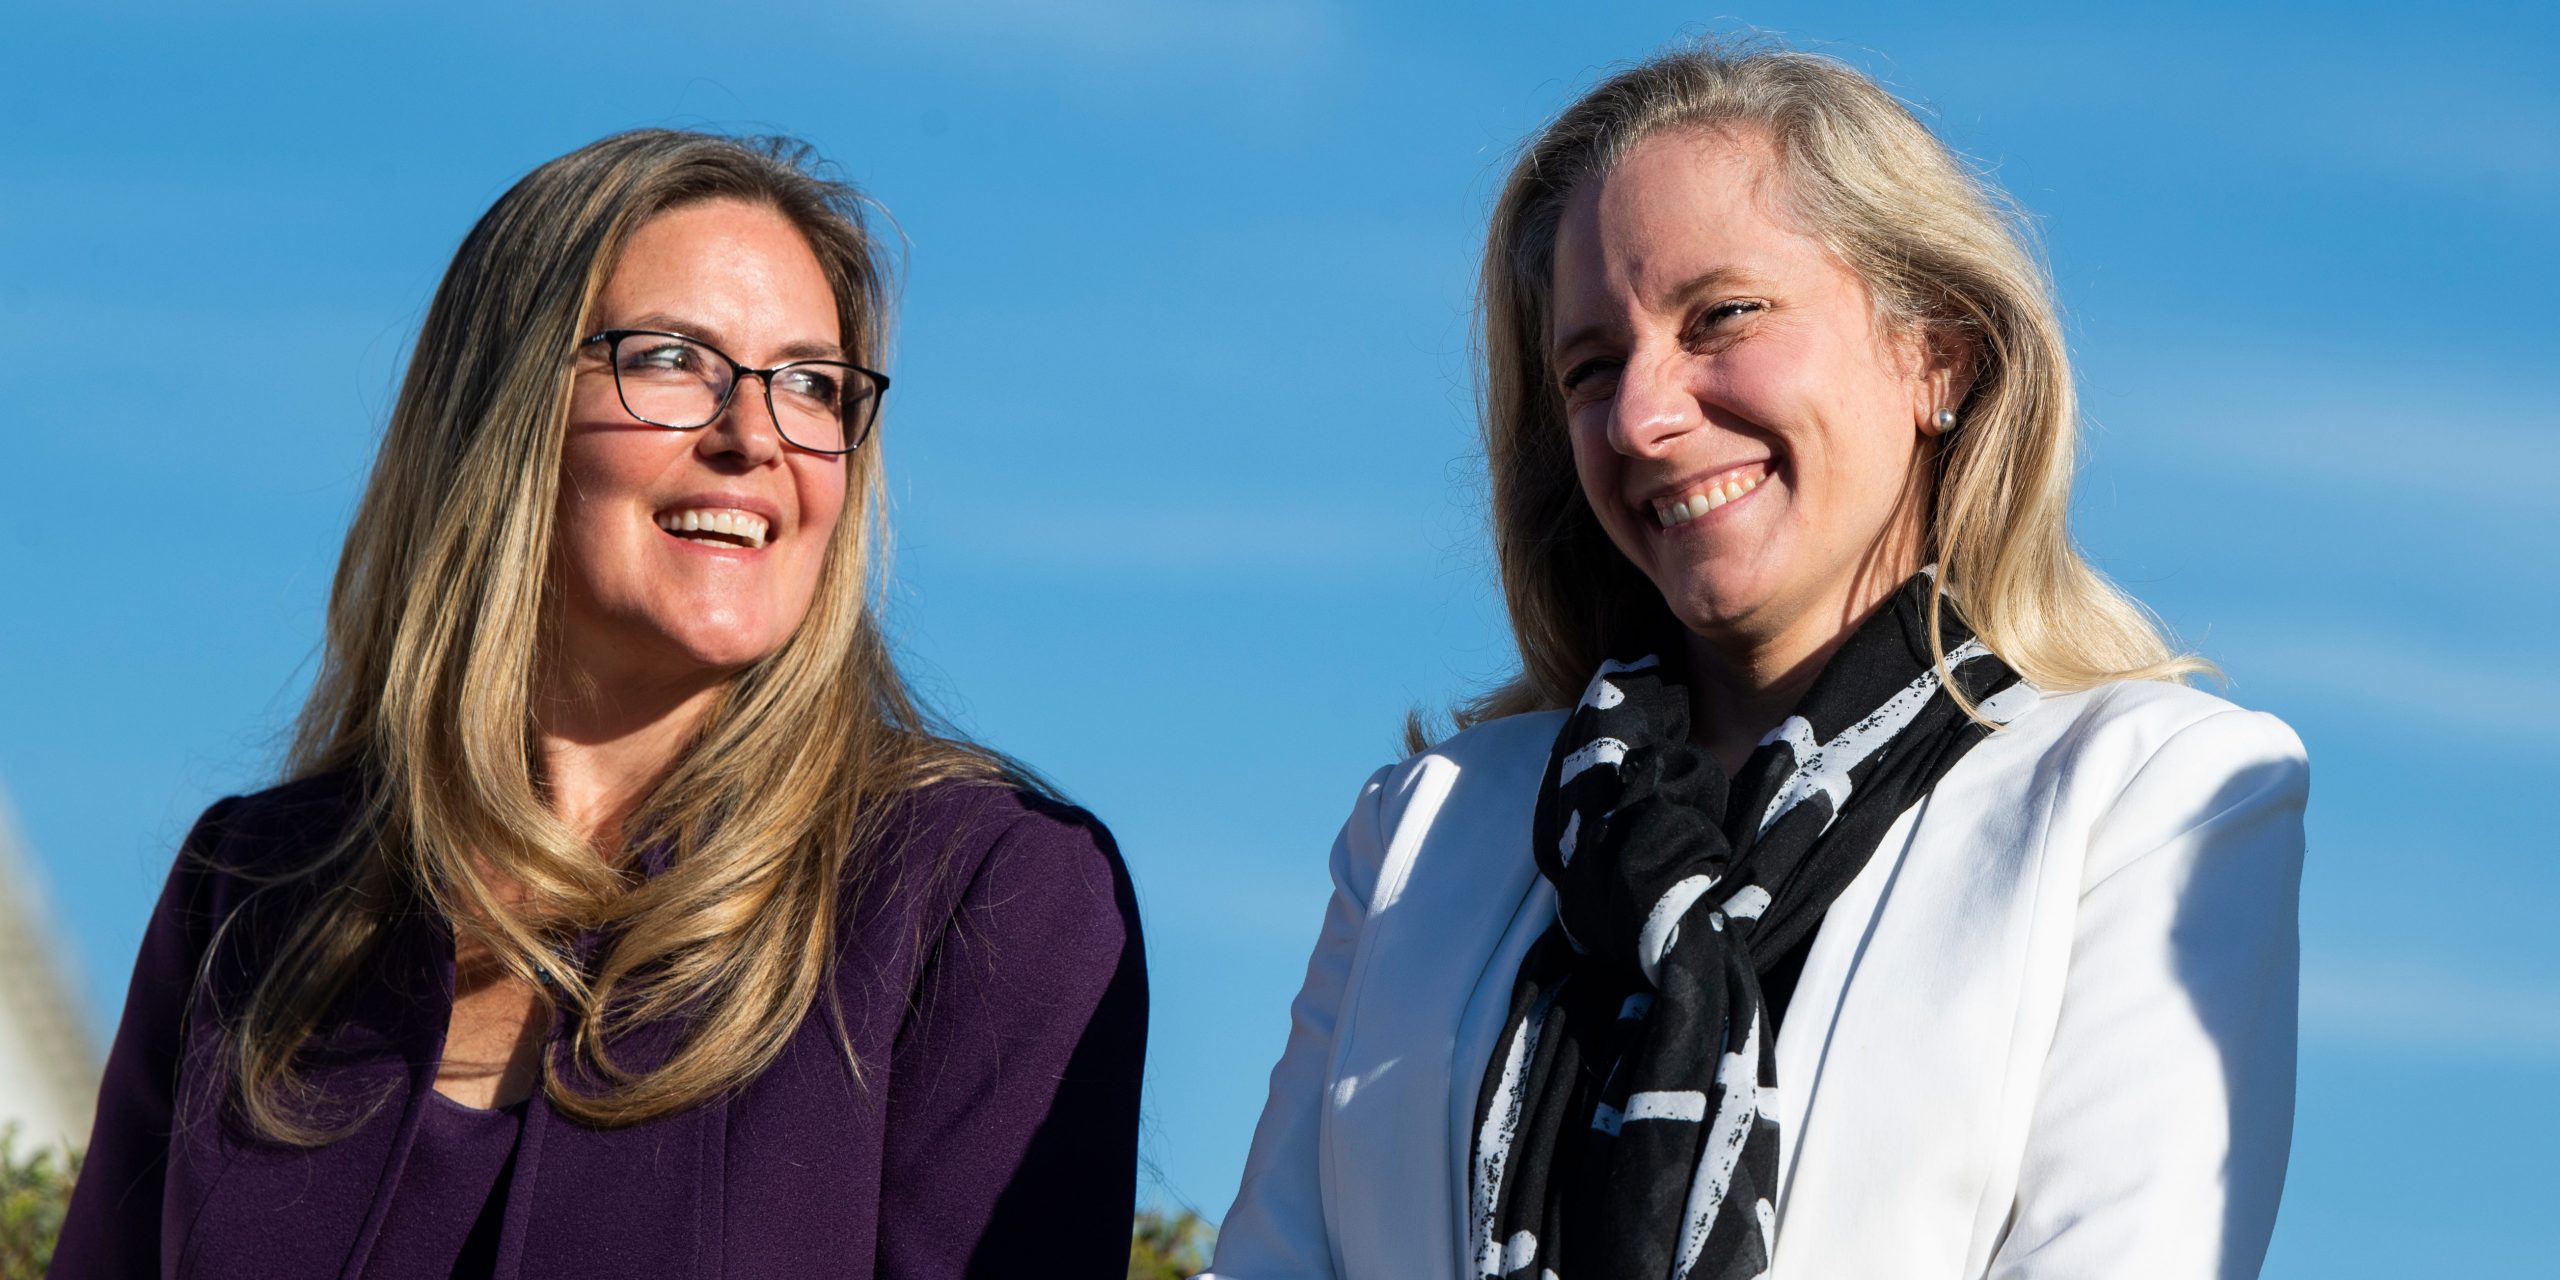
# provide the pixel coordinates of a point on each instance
(680, 655)
(721, 656)
(1718, 606)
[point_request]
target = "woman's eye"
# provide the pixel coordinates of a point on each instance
(1589, 378)
(669, 355)
(812, 384)
(1722, 314)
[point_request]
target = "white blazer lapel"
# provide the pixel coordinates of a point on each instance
(1442, 918)
(1488, 1008)
(1906, 1031)
(1813, 1011)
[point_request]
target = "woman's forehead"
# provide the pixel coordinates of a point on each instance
(737, 274)
(1686, 211)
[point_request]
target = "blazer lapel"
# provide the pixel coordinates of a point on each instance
(410, 1011)
(276, 1210)
(1488, 1007)
(1458, 899)
(1906, 1049)
(1807, 1026)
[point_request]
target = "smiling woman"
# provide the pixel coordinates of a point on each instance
(1846, 885)
(621, 912)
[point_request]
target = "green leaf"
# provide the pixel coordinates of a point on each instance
(34, 1191)
(1169, 1247)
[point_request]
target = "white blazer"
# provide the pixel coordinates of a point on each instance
(2048, 1032)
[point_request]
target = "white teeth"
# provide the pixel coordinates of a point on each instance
(745, 526)
(1679, 511)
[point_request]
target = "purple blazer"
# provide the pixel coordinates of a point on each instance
(995, 993)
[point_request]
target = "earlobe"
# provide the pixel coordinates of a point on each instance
(1948, 382)
(1941, 377)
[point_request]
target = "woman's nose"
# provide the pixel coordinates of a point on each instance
(746, 428)
(1654, 406)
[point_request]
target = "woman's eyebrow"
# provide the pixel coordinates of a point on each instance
(671, 323)
(1711, 280)
(809, 351)
(1677, 297)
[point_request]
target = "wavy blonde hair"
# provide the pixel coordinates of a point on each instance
(439, 628)
(1943, 255)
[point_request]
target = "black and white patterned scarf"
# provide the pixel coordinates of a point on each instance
(1627, 1124)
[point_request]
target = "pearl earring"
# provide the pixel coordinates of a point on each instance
(1945, 419)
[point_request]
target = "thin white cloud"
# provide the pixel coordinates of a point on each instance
(1265, 32)
(2450, 1009)
(2458, 119)
(2486, 439)
(2431, 683)
(1244, 536)
(2481, 139)
(2403, 117)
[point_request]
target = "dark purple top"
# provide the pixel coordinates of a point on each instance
(993, 988)
(466, 1154)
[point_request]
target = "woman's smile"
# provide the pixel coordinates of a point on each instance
(1684, 507)
(721, 523)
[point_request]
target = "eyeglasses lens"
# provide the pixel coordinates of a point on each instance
(669, 381)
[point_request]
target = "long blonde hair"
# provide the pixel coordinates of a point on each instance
(438, 635)
(1943, 255)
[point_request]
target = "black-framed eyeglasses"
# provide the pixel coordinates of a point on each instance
(670, 380)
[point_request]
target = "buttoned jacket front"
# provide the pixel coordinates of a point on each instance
(2048, 1031)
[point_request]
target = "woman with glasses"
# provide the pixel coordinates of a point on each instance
(1847, 885)
(621, 913)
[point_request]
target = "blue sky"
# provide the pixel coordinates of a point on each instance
(1188, 497)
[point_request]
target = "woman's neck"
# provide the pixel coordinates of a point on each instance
(1742, 686)
(603, 747)
(1736, 699)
